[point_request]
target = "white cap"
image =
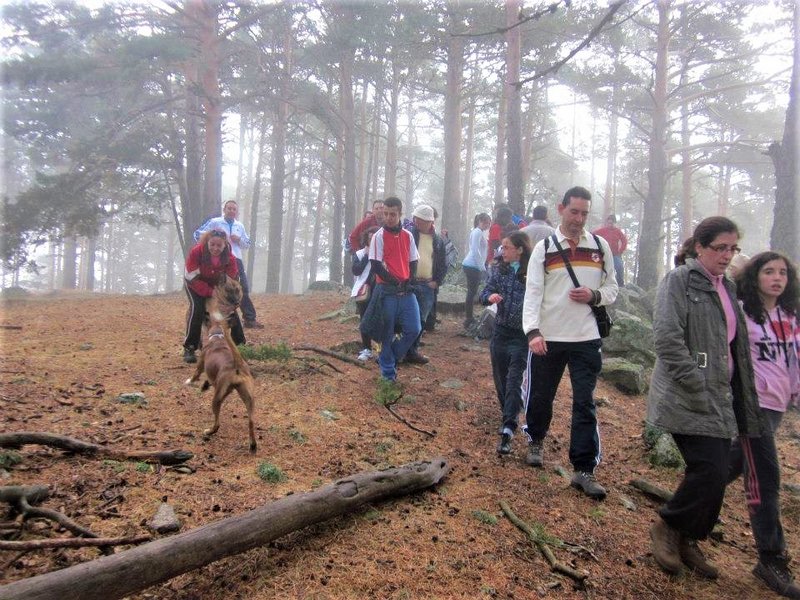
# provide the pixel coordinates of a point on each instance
(424, 212)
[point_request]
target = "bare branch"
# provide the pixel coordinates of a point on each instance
(589, 38)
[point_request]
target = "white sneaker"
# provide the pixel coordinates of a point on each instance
(365, 355)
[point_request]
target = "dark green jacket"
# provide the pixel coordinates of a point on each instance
(691, 391)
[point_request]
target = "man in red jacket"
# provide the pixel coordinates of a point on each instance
(618, 241)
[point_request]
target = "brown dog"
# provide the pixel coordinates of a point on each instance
(225, 368)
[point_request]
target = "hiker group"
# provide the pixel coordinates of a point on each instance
(725, 329)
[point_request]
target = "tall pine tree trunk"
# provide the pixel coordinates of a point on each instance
(390, 171)
(452, 218)
(70, 260)
(786, 159)
(515, 184)
(651, 238)
(255, 199)
(500, 151)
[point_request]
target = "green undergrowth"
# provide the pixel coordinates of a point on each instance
(280, 352)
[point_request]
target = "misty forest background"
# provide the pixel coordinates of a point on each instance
(125, 125)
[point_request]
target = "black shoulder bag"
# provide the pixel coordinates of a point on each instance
(604, 322)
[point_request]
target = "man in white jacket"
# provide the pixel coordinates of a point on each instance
(562, 330)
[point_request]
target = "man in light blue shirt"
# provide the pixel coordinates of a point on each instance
(239, 241)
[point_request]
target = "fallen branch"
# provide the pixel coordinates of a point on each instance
(28, 545)
(133, 570)
(651, 490)
(331, 353)
(22, 498)
(62, 442)
(555, 564)
(406, 423)
(14, 327)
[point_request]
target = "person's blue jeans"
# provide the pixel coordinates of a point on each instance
(584, 362)
(426, 296)
(248, 310)
(509, 352)
(401, 309)
(619, 268)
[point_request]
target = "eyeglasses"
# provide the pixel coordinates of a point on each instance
(723, 248)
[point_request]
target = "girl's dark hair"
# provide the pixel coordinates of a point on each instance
(705, 233)
(747, 287)
(480, 217)
(520, 239)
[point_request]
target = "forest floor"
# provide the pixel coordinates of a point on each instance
(76, 353)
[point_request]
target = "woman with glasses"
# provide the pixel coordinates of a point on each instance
(206, 263)
(702, 389)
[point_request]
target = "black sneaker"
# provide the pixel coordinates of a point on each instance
(587, 483)
(775, 574)
(189, 356)
(504, 447)
(535, 456)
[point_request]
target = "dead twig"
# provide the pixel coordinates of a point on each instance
(390, 403)
(331, 353)
(28, 545)
(14, 327)
(11, 561)
(555, 564)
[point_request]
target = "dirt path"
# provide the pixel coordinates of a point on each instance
(76, 354)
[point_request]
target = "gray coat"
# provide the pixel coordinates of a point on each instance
(690, 391)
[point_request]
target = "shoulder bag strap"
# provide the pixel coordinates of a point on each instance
(567, 264)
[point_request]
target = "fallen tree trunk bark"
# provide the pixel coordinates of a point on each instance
(133, 570)
(62, 442)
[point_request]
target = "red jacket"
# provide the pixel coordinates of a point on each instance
(202, 275)
(355, 235)
(615, 237)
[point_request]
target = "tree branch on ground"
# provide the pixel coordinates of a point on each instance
(136, 569)
(537, 538)
(331, 353)
(62, 442)
(389, 394)
(28, 545)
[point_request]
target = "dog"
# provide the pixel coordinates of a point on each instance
(221, 361)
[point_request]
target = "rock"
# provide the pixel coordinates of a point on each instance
(329, 415)
(461, 406)
(632, 339)
(86, 346)
(137, 398)
(452, 384)
(450, 300)
(666, 453)
(626, 376)
(324, 286)
(627, 502)
(651, 435)
(165, 520)
(792, 488)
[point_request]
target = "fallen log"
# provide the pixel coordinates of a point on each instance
(21, 438)
(134, 570)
